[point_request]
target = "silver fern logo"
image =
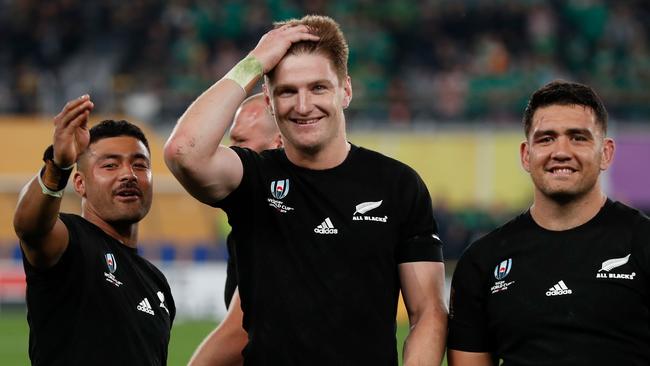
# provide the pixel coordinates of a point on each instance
(366, 206)
(610, 264)
(613, 263)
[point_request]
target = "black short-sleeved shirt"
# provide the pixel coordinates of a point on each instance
(101, 304)
(531, 296)
(318, 254)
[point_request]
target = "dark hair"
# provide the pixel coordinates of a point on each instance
(331, 43)
(112, 128)
(560, 92)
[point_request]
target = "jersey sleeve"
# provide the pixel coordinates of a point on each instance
(467, 316)
(237, 201)
(420, 231)
(65, 264)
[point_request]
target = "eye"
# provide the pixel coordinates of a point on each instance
(544, 140)
(109, 165)
(580, 138)
(141, 165)
(319, 88)
(285, 92)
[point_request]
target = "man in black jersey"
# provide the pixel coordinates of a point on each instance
(254, 128)
(567, 282)
(91, 299)
(327, 232)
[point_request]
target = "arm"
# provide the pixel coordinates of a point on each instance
(224, 345)
(207, 170)
(43, 236)
(423, 285)
(461, 358)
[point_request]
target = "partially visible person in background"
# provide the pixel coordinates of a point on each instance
(568, 281)
(253, 127)
(91, 299)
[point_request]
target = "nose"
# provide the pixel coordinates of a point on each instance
(303, 105)
(562, 149)
(127, 173)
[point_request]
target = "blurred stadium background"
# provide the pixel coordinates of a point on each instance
(438, 84)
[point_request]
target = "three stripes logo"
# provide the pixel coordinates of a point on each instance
(559, 289)
(145, 306)
(326, 227)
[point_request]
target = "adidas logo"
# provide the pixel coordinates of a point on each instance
(145, 307)
(326, 227)
(559, 289)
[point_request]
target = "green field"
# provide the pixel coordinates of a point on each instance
(185, 337)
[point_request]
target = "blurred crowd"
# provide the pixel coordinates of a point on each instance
(411, 61)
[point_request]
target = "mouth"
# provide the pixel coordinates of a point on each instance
(128, 194)
(305, 121)
(561, 171)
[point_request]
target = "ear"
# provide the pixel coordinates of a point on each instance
(277, 141)
(347, 90)
(267, 98)
(524, 155)
(608, 153)
(79, 184)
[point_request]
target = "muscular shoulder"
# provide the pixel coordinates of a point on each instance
(498, 238)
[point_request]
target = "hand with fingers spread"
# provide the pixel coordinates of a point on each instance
(71, 136)
(275, 44)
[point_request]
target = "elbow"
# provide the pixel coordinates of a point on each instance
(172, 153)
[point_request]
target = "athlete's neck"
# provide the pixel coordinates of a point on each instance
(125, 233)
(327, 158)
(558, 216)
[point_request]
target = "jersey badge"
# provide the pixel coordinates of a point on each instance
(161, 297)
(610, 264)
(362, 208)
(280, 188)
(111, 264)
(500, 272)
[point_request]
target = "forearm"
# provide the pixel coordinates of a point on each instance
(224, 345)
(425, 344)
(36, 213)
(198, 133)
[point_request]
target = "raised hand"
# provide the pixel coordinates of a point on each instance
(275, 44)
(71, 135)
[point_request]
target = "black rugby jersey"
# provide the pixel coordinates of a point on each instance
(318, 254)
(531, 296)
(101, 304)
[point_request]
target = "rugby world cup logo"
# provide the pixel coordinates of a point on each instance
(111, 263)
(502, 269)
(280, 188)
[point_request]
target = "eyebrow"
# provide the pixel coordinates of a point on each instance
(570, 131)
(118, 156)
(282, 87)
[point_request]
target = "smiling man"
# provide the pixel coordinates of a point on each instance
(327, 232)
(91, 299)
(565, 283)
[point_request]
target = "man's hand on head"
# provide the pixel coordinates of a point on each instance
(275, 44)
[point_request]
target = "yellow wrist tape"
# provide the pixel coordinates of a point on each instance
(245, 71)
